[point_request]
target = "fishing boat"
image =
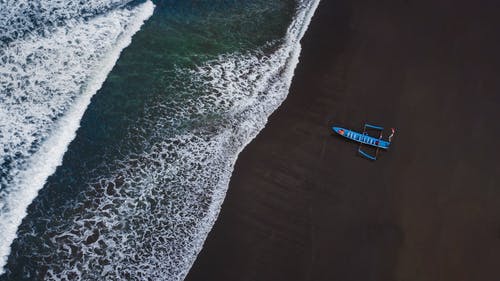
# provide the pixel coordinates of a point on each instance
(366, 140)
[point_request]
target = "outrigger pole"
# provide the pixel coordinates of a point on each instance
(363, 153)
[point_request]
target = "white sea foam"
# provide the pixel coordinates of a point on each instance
(47, 83)
(21, 17)
(150, 219)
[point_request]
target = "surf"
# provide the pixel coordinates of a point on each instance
(144, 209)
(50, 69)
(150, 216)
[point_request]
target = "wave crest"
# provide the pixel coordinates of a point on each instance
(149, 218)
(47, 82)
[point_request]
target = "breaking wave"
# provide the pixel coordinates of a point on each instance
(146, 215)
(54, 56)
(148, 218)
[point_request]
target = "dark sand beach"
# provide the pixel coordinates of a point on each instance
(302, 205)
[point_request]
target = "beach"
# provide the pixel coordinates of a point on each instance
(302, 205)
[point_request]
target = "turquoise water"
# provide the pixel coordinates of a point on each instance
(142, 181)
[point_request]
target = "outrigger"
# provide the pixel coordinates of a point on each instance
(365, 139)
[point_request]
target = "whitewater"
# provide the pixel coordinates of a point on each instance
(54, 57)
(147, 214)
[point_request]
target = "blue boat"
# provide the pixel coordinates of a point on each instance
(365, 139)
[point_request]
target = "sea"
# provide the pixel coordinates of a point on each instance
(121, 121)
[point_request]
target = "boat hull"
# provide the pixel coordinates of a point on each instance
(361, 138)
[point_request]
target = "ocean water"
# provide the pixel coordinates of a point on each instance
(120, 122)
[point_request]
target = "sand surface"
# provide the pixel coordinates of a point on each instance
(302, 205)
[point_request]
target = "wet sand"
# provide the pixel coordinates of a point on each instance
(302, 205)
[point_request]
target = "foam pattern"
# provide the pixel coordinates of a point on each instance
(25, 17)
(149, 218)
(46, 82)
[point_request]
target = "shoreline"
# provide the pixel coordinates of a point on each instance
(302, 205)
(292, 47)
